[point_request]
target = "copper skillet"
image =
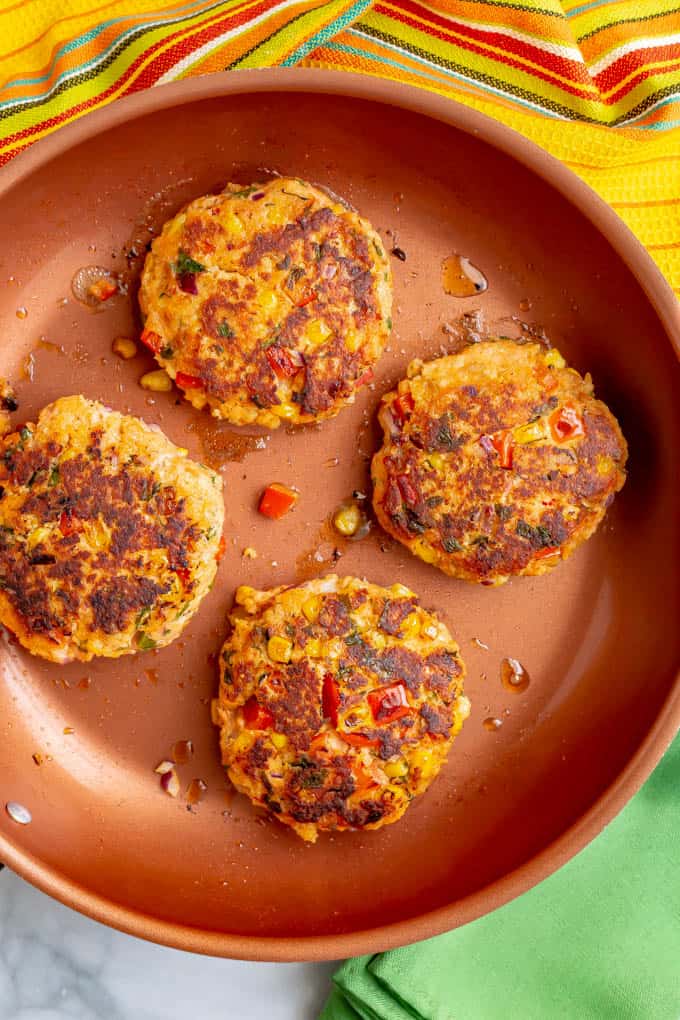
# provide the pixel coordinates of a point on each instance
(599, 636)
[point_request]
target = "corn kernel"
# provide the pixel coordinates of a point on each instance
(311, 607)
(437, 461)
(279, 740)
(37, 536)
(529, 433)
(410, 626)
(352, 341)
(279, 648)
(424, 551)
(428, 630)
(283, 410)
(124, 347)
(267, 300)
(317, 331)
(347, 519)
(553, 357)
(230, 222)
(604, 465)
(314, 649)
(395, 769)
(158, 381)
(249, 553)
(241, 744)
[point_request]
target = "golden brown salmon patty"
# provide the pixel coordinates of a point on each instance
(267, 303)
(338, 702)
(108, 533)
(497, 461)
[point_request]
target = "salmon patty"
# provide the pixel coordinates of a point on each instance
(338, 702)
(497, 461)
(108, 533)
(267, 303)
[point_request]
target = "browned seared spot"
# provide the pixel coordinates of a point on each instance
(261, 385)
(116, 602)
(394, 613)
(200, 233)
(317, 788)
(334, 616)
(367, 812)
(329, 374)
(440, 434)
(437, 720)
(296, 703)
(257, 757)
(440, 671)
(220, 316)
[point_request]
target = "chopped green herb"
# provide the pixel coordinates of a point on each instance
(294, 194)
(166, 352)
(284, 263)
(504, 512)
(183, 608)
(142, 616)
(53, 476)
(25, 433)
(144, 642)
(389, 322)
(378, 250)
(224, 329)
(451, 544)
(303, 762)
(540, 537)
(313, 778)
(296, 273)
(433, 501)
(185, 264)
(353, 638)
(318, 251)
(269, 342)
(31, 480)
(244, 192)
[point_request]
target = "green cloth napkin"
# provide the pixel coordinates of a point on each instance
(599, 940)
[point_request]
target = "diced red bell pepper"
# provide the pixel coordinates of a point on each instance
(187, 283)
(389, 703)
(330, 699)
(403, 406)
(68, 523)
(543, 554)
(151, 340)
(283, 361)
(257, 716)
(184, 575)
(366, 378)
(408, 492)
(307, 299)
(221, 549)
(189, 382)
(566, 423)
(502, 443)
(360, 739)
(276, 500)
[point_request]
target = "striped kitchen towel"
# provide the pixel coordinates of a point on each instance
(597, 83)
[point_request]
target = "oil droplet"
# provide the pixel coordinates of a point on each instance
(182, 750)
(223, 446)
(525, 305)
(514, 676)
(28, 367)
(151, 675)
(68, 730)
(195, 791)
(37, 758)
(492, 723)
(47, 345)
(18, 813)
(84, 683)
(22, 312)
(480, 644)
(460, 278)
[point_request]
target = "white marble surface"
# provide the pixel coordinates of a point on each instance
(57, 965)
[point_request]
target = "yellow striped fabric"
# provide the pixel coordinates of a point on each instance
(596, 82)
